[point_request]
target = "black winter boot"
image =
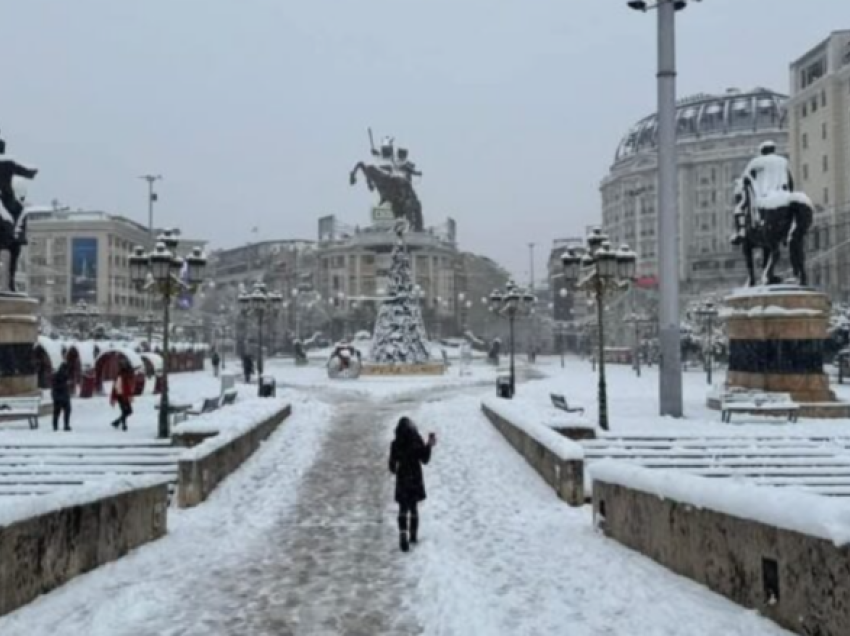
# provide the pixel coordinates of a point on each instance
(414, 528)
(402, 533)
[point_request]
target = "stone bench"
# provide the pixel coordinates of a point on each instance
(758, 404)
(27, 408)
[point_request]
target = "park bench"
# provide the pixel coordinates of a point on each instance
(560, 403)
(229, 397)
(207, 406)
(758, 404)
(21, 408)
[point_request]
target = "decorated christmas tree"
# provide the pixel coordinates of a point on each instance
(399, 336)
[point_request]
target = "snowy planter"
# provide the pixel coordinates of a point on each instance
(230, 437)
(558, 460)
(785, 554)
(48, 540)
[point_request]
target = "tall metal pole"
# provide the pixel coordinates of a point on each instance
(670, 376)
(260, 314)
(603, 389)
(511, 317)
(166, 360)
(637, 348)
(710, 349)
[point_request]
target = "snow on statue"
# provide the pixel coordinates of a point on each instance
(344, 362)
(768, 214)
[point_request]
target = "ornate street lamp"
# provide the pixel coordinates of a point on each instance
(707, 312)
(259, 303)
(597, 272)
(162, 271)
(511, 303)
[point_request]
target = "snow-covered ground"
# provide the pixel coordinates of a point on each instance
(302, 539)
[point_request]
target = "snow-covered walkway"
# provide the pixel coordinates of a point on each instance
(302, 541)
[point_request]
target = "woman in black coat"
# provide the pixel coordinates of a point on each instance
(408, 452)
(61, 394)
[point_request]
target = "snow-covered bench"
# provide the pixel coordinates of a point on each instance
(560, 403)
(758, 404)
(229, 397)
(207, 406)
(21, 408)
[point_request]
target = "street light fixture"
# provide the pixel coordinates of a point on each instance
(598, 272)
(161, 270)
(259, 303)
(511, 303)
(669, 334)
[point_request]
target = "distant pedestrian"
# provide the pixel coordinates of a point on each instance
(60, 391)
(247, 367)
(216, 361)
(408, 452)
(122, 394)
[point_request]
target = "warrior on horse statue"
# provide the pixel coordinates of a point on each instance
(393, 178)
(12, 213)
(769, 214)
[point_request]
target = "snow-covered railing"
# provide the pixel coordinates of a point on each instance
(76, 530)
(558, 460)
(227, 438)
(781, 553)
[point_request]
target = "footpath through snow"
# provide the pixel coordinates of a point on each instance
(302, 541)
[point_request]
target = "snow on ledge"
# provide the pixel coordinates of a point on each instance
(227, 424)
(566, 449)
(27, 508)
(809, 514)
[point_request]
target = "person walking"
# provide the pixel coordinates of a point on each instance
(408, 452)
(247, 367)
(216, 361)
(122, 394)
(60, 391)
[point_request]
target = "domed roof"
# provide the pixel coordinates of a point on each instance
(702, 115)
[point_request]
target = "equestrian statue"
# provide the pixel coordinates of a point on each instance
(770, 214)
(13, 231)
(393, 178)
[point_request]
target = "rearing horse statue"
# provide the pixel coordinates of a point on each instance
(395, 190)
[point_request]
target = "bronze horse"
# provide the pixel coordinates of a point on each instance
(397, 191)
(768, 230)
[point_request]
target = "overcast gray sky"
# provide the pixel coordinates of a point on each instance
(255, 110)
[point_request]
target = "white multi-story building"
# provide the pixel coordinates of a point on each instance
(84, 256)
(819, 126)
(716, 136)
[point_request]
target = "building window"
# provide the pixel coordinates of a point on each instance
(805, 141)
(805, 172)
(823, 98)
(826, 196)
(814, 105)
(805, 110)
(826, 163)
(823, 134)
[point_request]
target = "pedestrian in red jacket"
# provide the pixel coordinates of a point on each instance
(122, 394)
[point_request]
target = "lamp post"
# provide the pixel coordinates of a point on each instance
(708, 312)
(464, 305)
(511, 303)
(598, 272)
(259, 303)
(160, 270)
(669, 335)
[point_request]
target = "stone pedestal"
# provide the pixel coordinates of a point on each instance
(18, 335)
(776, 339)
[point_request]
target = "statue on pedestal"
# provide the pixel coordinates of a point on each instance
(769, 214)
(393, 176)
(13, 232)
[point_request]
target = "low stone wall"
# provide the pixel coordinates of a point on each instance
(51, 539)
(800, 581)
(208, 464)
(564, 471)
(402, 369)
